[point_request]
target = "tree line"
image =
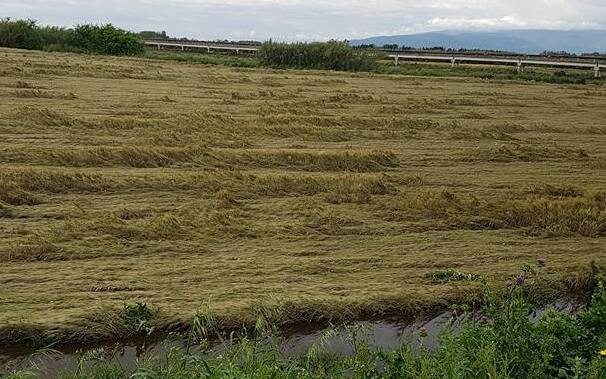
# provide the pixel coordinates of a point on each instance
(92, 39)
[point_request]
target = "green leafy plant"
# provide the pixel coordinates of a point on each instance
(106, 39)
(136, 317)
(451, 275)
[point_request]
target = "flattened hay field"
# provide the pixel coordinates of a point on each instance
(330, 194)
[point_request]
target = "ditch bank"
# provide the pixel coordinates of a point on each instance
(385, 335)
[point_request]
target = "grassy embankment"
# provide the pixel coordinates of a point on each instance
(438, 70)
(318, 194)
(499, 343)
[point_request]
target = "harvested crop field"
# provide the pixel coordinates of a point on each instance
(320, 194)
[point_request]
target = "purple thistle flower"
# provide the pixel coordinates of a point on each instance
(520, 280)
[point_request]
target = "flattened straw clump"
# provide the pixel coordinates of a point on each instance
(200, 156)
(132, 156)
(35, 249)
(556, 190)
(348, 188)
(45, 117)
(584, 216)
(323, 161)
(538, 215)
(11, 193)
(55, 181)
(5, 211)
(516, 152)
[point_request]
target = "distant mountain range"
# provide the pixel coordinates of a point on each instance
(529, 41)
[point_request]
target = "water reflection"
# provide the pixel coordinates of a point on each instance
(384, 335)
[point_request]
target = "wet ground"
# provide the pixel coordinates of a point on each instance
(385, 335)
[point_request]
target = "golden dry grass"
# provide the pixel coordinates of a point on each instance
(333, 194)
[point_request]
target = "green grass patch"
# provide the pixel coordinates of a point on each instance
(206, 59)
(492, 73)
(451, 275)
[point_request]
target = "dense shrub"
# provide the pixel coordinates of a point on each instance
(97, 39)
(23, 34)
(106, 39)
(55, 38)
(331, 55)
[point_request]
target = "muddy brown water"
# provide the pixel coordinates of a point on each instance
(383, 335)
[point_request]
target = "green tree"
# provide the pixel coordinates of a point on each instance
(106, 39)
(20, 34)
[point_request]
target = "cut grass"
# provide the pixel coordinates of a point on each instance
(562, 216)
(5, 211)
(333, 193)
(511, 152)
(20, 181)
(36, 249)
(12, 194)
(196, 156)
(245, 185)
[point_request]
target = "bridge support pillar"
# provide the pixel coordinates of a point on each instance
(520, 67)
(596, 71)
(453, 61)
(396, 59)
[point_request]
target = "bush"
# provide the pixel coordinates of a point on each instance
(451, 275)
(55, 38)
(106, 39)
(136, 317)
(21, 34)
(96, 39)
(26, 34)
(331, 55)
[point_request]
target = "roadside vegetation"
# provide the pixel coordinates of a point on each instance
(556, 76)
(332, 55)
(205, 59)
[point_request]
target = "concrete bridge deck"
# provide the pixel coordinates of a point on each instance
(518, 61)
(190, 45)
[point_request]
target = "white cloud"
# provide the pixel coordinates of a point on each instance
(505, 22)
(312, 19)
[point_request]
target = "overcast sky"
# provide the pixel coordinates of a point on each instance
(312, 19)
